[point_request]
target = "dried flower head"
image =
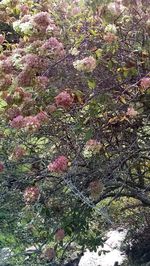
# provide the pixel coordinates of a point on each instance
(31, 194)
(87, 64)
(145, 83)
(64, 100)
(59, 165)
(60, 234)
(131, 112)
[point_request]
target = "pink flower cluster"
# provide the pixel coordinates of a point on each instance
(20, 94)
(42, 116)
(42, 82)
(75, 11)
(29, 122)
(5, 82)
(54, 46)
(42, 20)
(24, 78)
(51, 108)
(13, 112)
(59, 165)
(131, 112)
(31, 194)
(6, 66)
(1, 167)
(31, 60)
(145, 83)
(49, 253)
(33, 65)
(9, 99)
(60, 234)
(110, 37)
(36, 44)
(24, 9)
(89, 63)
(52, 28)
(64, 99)
(116, 8)
(18, 153)
(93, 145)
(17, 122)
(96, 187)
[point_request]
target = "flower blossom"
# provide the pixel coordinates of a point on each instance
(131, 112)
(18, 153)
(24, 78)
(115, 8)
(13, 112)
(111, 28)
(6, 66)
(145, 83)
(42, 82)
(31, 123)
(110, 37)
(75, 11)
(31, 60)
(31, 194)
(52, 28)
(87, 64)
(95, 187)
(60, 234)
(9, 99)
(49, 253)
(51, 108)
(42, 116)
(26, 18)
(24, 26)
(42, 20)
(20, 93)
(24, 9)
(28, 106)
(5, 82)
(54, 46)
(58, 165)
(93, 146)
(64, 99)
(17, 122)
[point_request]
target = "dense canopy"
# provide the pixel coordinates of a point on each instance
(74, 127)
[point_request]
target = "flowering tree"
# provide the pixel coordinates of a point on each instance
(74, 90)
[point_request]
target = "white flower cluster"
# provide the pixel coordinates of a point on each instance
(111, 28)
(87, 64)
(17, 61)
(116, 8)
(23, 27)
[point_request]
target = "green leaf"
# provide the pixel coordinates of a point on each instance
(99, 53)
(91, 84)
(3, 104)
(88, 134)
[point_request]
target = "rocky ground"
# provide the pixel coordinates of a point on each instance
(113, 257)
